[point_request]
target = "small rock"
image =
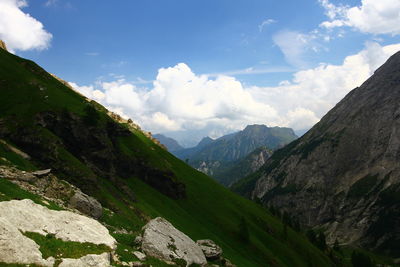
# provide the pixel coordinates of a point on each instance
(41, 173)
(86, 204)
(136, 264)
(138, 240)
(141, 256)
(211, 250)
(228, 263)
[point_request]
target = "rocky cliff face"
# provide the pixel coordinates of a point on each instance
(344, 174)
(3, 45)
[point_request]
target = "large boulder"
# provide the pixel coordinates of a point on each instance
(211, 250)
(19, 216)
(163, 241)
(86, 204)
(91, 260)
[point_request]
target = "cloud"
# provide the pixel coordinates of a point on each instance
(376, 17)
(184, 102)
(49, 3)
(19, 30)
(295, 45)
(265, 23)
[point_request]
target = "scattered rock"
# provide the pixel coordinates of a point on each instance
(15, 174)
(229, 264)
(211, 250)
(138, 240)
(141, 256)
(41, 173)
(86, 204)
(163, 241)
(102, 260)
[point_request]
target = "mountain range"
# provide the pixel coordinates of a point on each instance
(219, 158)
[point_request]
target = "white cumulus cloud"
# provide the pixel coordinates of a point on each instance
(183, 101)
(372, 16)
(19, 30)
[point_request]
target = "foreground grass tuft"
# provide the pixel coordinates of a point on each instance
(50, 246)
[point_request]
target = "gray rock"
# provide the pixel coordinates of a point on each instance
(91, 260)
(211, 250)
(141, 256)
(86, 204)
(163, 241)
(17, 216)
(138, 240)
(41, 172)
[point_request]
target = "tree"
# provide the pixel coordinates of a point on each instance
(285, 233)
(92, 115)
(336, 246)
(359, 259)
(244, 230)
(311, 236)
(321, 242)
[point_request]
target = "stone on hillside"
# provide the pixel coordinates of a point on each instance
(86, 204)
(163, 241)
(41, 173)
(211, 250)
(102, 260)
(138, 240)
(18, 216)
(28, 216)
(139, 255)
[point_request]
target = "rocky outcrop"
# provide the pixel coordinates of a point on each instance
(19, 216)
(343, 175)
(47, 185)
(3, 45)
(163, 241)
(211, 250)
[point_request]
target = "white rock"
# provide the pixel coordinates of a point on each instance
(163, 241)
(102, 260)
(68, 226)
(18, 216)
(141, 256)
(15, 247)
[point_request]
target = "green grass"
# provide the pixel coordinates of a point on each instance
(50, 246)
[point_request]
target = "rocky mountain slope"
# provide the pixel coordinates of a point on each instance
(170, 143)
(46, 125)
(344, 174)
(232, 172)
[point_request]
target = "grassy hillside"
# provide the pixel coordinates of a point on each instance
(130, 175)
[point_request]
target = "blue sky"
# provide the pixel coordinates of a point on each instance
(170, 65)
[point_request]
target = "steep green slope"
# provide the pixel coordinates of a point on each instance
(132, 176)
